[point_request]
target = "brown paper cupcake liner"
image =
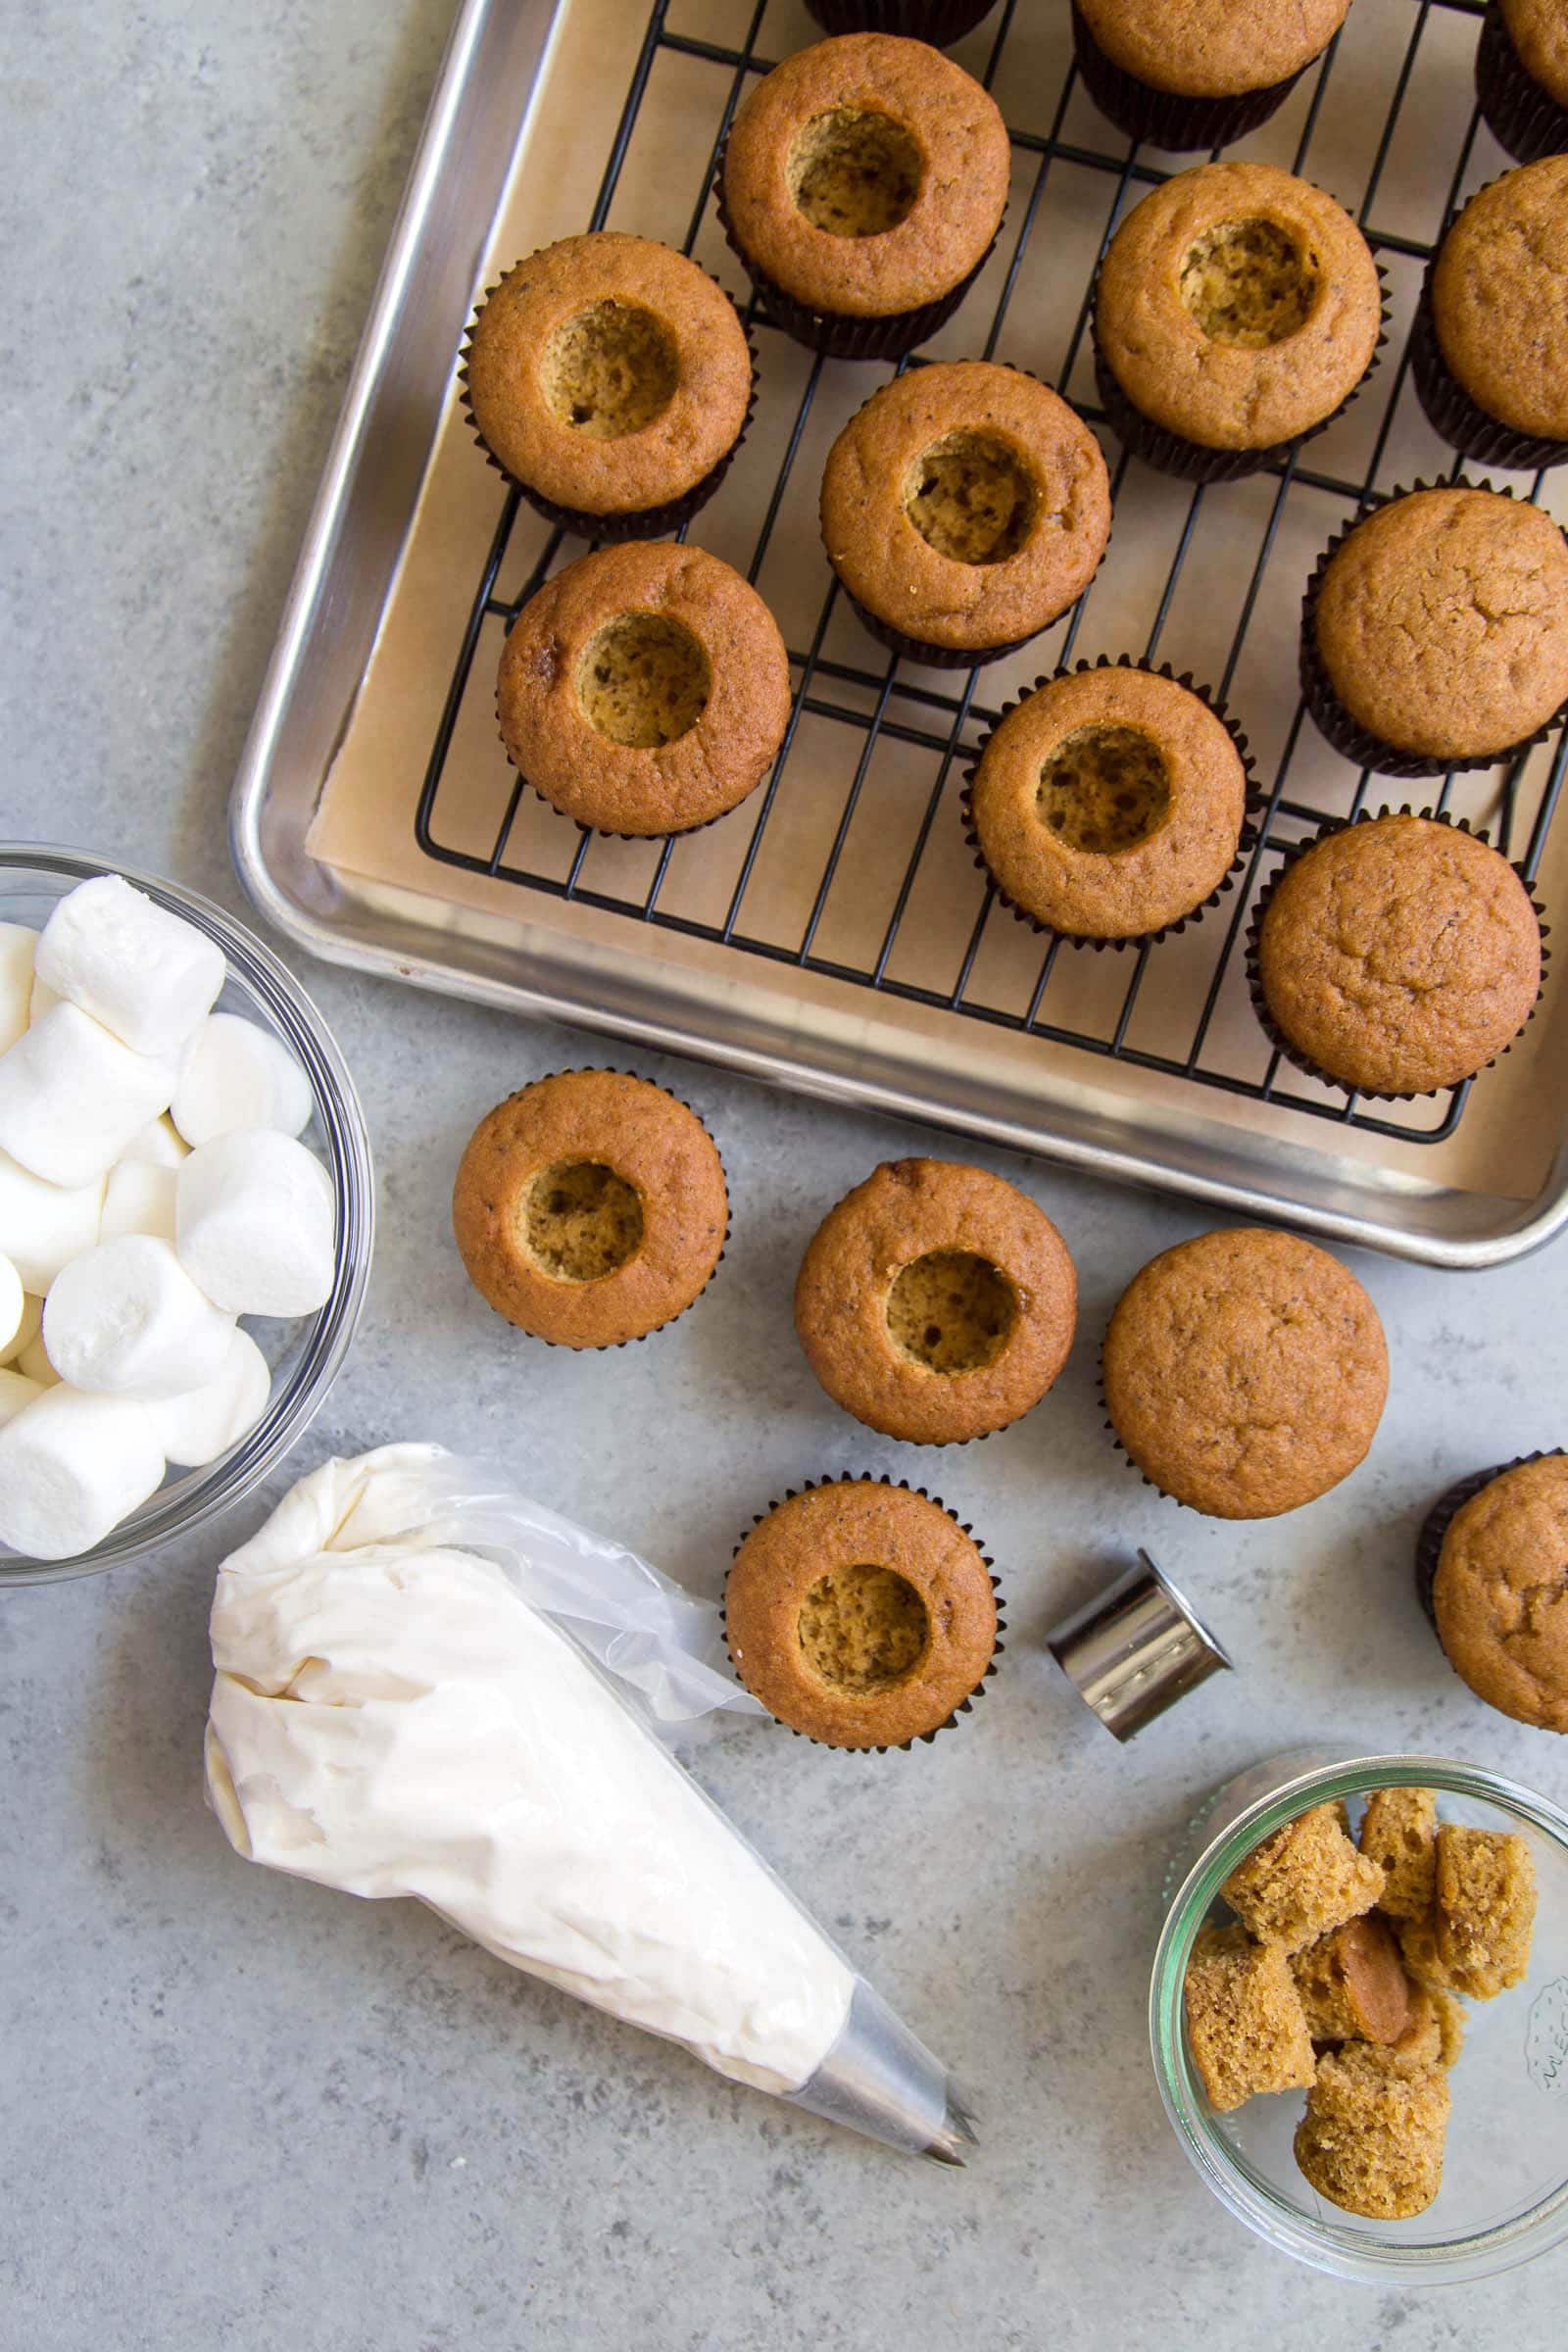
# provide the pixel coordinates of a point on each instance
(867, 1477)
(1440, 1517)
(837, 334)
(638, 522)
(1193, 460)
(1275, 1034)
(1164, 117)
(1520, 114)
(607, 1346)
(1252, 813)
(939, 21)
(1335, 723)
(1454, 415)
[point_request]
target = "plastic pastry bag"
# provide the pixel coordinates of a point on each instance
(426, 1686)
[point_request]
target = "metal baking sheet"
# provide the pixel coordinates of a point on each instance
(832, 936)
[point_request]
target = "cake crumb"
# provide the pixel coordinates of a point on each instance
(1372, 2137)
(1245, 2019)
(1353, 1983)
(1486, 1909)
(1399, 1831)
(1304, 1880)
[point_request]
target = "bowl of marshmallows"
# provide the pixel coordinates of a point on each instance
(186, 1212)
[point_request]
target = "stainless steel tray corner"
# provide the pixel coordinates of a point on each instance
(788, 1019)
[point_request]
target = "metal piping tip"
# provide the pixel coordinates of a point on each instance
(958, 2132)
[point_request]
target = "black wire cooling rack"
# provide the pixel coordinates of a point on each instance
(868, 703)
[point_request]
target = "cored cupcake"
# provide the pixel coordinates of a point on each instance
(1488, 354)
(1198, 73)
(610, 379)
(862, 185)
(965, 509)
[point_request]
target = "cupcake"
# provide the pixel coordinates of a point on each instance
(1489, 351)
(936, 1302)
(1198, 73)
(1522, 77)
(862, 185)
(1395, 956)
(1236, 311)
(1107, 804)
(1245, 1373)
(1435, 634)
(965, 509)
(610, 379)
(644, 690)
(939, 21)
(861, 1614)
(1490, 1569)
(590, 1208)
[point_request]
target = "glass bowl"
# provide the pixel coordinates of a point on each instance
(1504, 2194)
(305, 1355)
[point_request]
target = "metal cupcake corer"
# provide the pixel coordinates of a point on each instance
(1134, 1649)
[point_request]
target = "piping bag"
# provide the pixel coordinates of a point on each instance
(426, 1685)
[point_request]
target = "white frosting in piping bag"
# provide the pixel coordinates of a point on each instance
(392, 1718)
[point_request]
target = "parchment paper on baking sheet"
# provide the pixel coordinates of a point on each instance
(366, 823)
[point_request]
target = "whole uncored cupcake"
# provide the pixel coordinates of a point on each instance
(861, 1614)
(1434, 633)
(1491, 1572)
(1108, 804)
(1198, 73)
(590, 1208)
(1245, 1373)
(939, 21)
(863, 185)
(1522, 77)
(936, 1302)
(1237, 310)
(610, 379)
(1489, 351)
(644, 690)
(1395, 956)
(965, 509)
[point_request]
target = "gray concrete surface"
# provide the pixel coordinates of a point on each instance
(241, 2112)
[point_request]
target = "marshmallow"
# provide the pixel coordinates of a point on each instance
(71, 1097)
(13, 1311)
(253, 1223)
(237, 1075)
(147, 975)
(157, 1142)
(17, 1392)
(196, 1428)
(125, 1319)
(17, 944)
(27, 1330)
(42, 1225)
(139, 1198)
(71, 1467)
(33, 1361)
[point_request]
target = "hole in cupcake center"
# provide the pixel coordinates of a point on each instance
(854, 172)
(1248, 282)
(970, 498)
(644, 680)
(863, 1628)
(582, 1221)
(951, 1311)
(610, 370)
(1104, 789)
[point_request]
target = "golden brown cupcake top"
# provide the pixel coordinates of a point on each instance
(1442, 623)
(861, 1614)
(1238, 306)
(590, 1208)
(644, 690)
(1109, 803)
(966, 505)
(1499, 297)
(1214, 48)
(1500, 1593)
(1400, 954)
(609, 373)
(1245, 1372)
(936, 1302)
(867, 176)
(1538, 31)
